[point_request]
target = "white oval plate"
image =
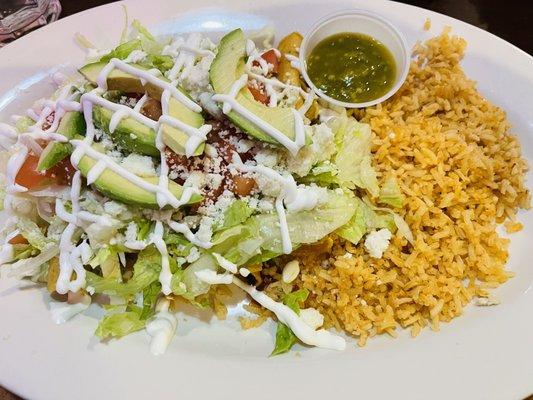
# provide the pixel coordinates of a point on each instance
(486, 354)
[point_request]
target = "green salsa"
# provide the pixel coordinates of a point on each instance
(352, 67)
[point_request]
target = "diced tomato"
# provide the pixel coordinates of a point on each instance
(271, 58)
(62, 172)
(19, 239)
(258, 93)
(28, 176)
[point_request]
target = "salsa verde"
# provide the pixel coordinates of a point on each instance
(352, 67)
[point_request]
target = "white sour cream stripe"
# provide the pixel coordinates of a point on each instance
(320, 338)
(211, 277)
(184, 229)
(165, 277)
(226, 264)
(69, 254)
(161, 328)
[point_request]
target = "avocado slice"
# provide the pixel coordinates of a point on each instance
(118, 188)
(130, 133)
(227, 67)
(71, 124)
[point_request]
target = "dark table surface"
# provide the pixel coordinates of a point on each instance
(511, 20)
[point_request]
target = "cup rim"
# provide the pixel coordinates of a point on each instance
(346, 13)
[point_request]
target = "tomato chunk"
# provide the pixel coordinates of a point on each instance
(62, 172)
(258, 91)
(28, 176)
(271, 58)
(19, 239)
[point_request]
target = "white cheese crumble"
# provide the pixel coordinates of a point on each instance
(377, 242)
(267, 157)
(139, 165)
(194, 254)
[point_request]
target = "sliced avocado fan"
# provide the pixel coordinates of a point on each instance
(132, 134)
(227, 67)
(118, 188)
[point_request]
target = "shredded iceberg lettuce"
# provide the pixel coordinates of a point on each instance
(365, 219)
(120, 324)
(390, 193)
(33, 234)
(145, 272)
(236, 214)
(351, 164)
(122, 51)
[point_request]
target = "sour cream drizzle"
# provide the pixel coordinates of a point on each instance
(165, 277)
(211, 277)
(226, 264)
(184, 229)
(319, 338)
(161, 328)
(69, 254)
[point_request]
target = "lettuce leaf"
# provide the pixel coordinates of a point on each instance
(194, 286)
(351, 165)
(150, 295)
(23, 124)
(148, 42)
(293, 300)
(390, 193)
(122, 51)
(365, 219)
(306, 226)
(145, 272)
(259, 237)
(353, 158)
(120, 324)
(33, 233)
(161, 62)
(285, 338)
(236, 214)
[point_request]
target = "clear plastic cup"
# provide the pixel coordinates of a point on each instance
(358, 21)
